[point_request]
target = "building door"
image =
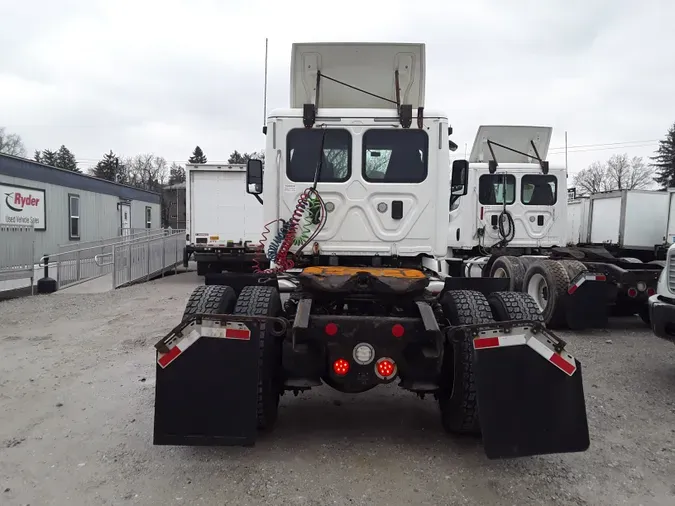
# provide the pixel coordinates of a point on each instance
(125, 217)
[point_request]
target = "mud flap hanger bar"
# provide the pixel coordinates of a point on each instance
(278, 326)
(309, 111)
(506, 327)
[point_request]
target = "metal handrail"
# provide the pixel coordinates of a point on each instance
(145, 233)
(123, 241)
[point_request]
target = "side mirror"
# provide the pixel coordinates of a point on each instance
(458, 182)
(452, 145)
(254, 176)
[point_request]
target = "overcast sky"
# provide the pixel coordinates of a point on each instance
(162, 76)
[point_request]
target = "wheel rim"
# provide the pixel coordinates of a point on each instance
(537, 288)
(500, 273)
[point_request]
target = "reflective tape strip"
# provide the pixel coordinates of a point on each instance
(482, 343)
(166, 358)
(564, 362)
(584, 278)
(231, 330)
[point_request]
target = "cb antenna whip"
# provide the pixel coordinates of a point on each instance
(265, 93)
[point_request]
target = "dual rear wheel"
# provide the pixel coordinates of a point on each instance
(252, 301)
(457, 393)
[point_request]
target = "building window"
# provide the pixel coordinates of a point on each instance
(395, 156)
(74, 214)
(148, 217)
(539, 190)
(495, 189)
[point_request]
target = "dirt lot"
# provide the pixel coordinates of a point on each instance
(77, 386)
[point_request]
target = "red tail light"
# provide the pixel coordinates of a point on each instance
(385, 368)
(397, 330)
(632, 292)
(331, 329)
(341, 367)
(650, 291)
(600, 277)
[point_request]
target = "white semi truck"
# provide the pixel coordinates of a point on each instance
(223, 222)
(356, 197)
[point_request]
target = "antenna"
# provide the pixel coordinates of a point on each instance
(265, 93)
(566, 170)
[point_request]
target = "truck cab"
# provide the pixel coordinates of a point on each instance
(508, 196)
(377, 171)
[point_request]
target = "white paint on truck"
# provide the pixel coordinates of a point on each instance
(218, 207)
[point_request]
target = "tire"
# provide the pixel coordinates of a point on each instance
(265, 301)
(573, 268)
(511, 267)
(457, 389)
(514, 306)
(547, 282)
(211, 299)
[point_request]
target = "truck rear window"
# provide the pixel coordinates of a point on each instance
(395, 156)
(494, 189)
(538, 190)
(302, 155)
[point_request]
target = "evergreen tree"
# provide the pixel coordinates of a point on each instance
(664, 161)
(109, 168)
(176, 174)
(48, 157)
(197, 156)
(65, 159)
(38, 156)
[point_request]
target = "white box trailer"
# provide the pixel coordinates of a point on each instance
(623, 220)
(224, 223)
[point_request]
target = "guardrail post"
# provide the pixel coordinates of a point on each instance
(114, 269)
(46, 284)
(77, 265)
(163, 254)
(147, 254)
(175, 266)
(129, 263)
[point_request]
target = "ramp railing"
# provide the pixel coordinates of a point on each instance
(136, 233)
(74, 266)
(17, 250)
(144, 259)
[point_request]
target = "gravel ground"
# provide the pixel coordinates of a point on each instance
(77, 387)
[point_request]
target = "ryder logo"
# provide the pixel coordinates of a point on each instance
(17, 202)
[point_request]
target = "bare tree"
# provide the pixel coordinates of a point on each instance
(618, 173)
(11, 144)
(146, 171)
(625, 174)
(592, 179)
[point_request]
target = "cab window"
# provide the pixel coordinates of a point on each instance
(538, 190)
(302, 155)
(395, 155)
(497, 189)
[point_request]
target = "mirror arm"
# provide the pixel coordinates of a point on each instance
(258, 198)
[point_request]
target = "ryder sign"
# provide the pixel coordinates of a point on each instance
(22, 206)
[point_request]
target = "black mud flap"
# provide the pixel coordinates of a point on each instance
(530, 397)
(587, 303)
(207, 379)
